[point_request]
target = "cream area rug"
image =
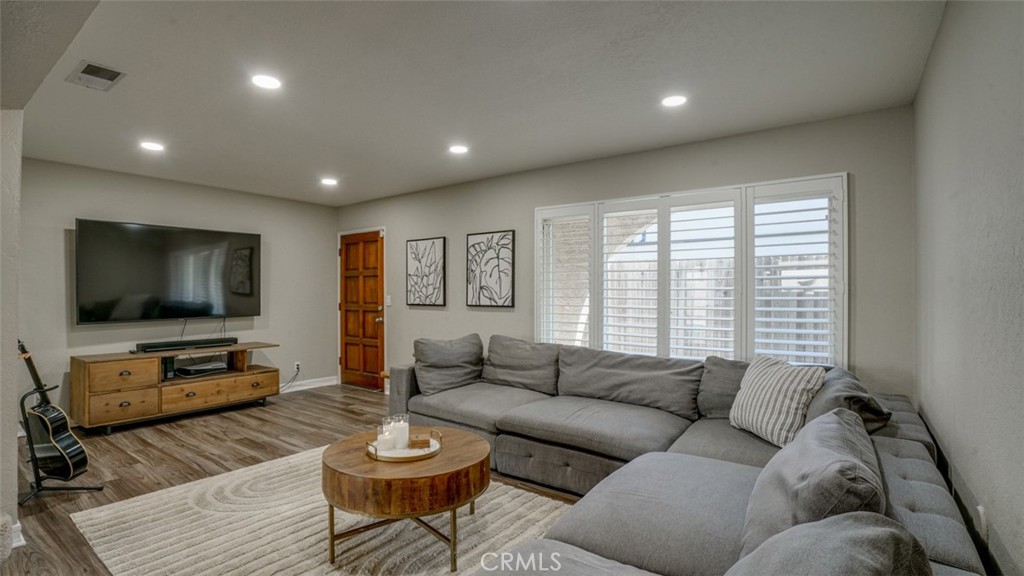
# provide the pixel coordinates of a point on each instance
(271, 519)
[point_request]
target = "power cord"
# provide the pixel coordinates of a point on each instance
(286, 385)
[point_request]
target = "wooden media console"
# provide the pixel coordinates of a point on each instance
(110, 389)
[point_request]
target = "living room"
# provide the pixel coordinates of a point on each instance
(931, 155)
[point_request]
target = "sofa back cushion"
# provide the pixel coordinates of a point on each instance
(445, 364)
(773, 398)
(843, 390)
(829, 468)
(667, 384)
(719, 385)
(522, 364)
(854, 544)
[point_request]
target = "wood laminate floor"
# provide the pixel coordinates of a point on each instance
(144, 458)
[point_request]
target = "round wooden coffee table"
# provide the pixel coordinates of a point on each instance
(354, 482)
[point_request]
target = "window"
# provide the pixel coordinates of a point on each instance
(199, 276)
(732, 272)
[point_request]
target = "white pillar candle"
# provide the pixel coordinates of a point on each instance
(401, 432)
(385, 438)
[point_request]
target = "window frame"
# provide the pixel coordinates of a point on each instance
(744, 198)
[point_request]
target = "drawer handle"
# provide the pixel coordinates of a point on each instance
(125, 404)
(125, 373)
(189, 394)
(255, 384)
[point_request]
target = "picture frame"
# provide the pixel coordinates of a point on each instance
(240, 278)
(490, 269)
(426, 271)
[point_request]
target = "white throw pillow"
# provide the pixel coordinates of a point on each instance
(773, 398)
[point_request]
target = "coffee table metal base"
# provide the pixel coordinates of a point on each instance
(450, 541)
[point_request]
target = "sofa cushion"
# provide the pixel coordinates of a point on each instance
(514, 362)
(854, 544)
(479, 404)
(773, 398)
(905, 423)
(544, 557)
(560, 467)
(716, 438)
(841, 389)
(445, 364)
(666, 513)
(622, 431)
(667, 384)
(719, 385)
(918, 499)
(829, 468)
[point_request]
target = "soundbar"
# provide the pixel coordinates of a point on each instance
(184, 344)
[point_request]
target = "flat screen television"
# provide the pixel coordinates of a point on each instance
(128, 272)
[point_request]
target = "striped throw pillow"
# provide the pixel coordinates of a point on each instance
(773, 398)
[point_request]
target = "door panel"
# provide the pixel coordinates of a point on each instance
(362, 314)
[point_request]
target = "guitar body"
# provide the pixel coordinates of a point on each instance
(59, 453)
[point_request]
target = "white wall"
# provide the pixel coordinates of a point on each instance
(10, 201)
(299, 261)
(876, 148)
(970, 198)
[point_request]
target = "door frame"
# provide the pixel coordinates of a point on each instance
(337, 296)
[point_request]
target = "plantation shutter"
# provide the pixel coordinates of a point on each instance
(797, 271)
(629, 287)
(702, 310)
(564, 276)
(732, 272)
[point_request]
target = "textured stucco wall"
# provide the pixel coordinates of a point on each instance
(10, 217)
(875, 148)
(970, 198)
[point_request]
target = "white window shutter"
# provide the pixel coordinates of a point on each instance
(629, 287)
(702, 310)
(564, 278)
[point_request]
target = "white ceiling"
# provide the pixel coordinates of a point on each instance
(374, 92)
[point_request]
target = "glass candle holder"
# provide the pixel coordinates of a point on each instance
(385, 438)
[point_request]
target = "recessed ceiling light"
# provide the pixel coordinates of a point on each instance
(151, 146)
(329, 181)
(268, 82)
(458, 149)
(673, 101)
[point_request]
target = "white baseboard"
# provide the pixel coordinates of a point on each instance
(307, 384)
(17, 538)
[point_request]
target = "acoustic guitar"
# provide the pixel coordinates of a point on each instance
(58, 452)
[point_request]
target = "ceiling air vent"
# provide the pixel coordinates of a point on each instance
(95, 76)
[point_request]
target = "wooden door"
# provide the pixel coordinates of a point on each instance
(362, 310)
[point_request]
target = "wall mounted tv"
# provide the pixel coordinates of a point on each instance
(134, 272)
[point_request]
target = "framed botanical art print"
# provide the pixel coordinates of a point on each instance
(490, 269)
(425, 272)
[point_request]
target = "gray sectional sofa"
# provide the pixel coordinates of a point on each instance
(670, 486)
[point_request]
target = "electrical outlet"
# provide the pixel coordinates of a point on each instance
(298, 365)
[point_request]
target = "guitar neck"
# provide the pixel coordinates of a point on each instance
(36, 380)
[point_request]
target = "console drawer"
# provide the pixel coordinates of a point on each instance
(111, 376)
(209, 393)
(120, 406)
